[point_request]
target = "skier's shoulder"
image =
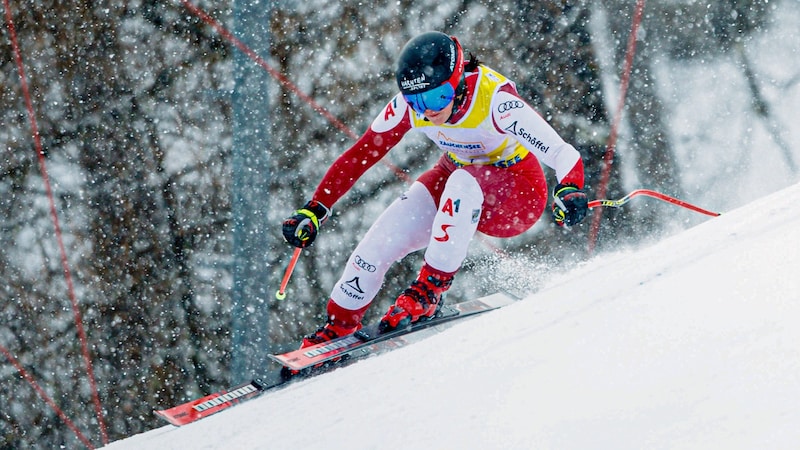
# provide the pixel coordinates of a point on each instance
(394, 117)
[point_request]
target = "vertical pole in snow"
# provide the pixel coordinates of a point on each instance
(250, 166)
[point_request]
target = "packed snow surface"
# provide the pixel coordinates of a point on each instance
(690, 343)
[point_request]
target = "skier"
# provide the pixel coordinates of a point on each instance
(489, 179)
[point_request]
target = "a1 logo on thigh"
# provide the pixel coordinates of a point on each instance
(451, 206)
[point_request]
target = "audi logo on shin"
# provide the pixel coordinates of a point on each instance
(507, 106)
(365, 265)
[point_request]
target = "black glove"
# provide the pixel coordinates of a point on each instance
(300, 230)
(569, 205)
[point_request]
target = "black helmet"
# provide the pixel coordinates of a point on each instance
(429, 61)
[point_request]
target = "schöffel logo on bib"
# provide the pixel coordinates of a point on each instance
(415, 84)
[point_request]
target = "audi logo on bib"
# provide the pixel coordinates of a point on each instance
(507, 106)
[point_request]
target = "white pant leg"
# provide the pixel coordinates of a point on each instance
(455, 223)
(404, 227)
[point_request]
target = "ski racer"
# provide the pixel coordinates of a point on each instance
(488, 179)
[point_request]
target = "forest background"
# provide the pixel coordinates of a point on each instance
(136, 108)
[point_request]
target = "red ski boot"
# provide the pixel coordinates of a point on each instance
(420, 301)
(341, 322)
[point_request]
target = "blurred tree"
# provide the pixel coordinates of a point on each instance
(136, 137)
(645, 137)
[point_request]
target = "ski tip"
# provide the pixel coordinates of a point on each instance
(174, 419)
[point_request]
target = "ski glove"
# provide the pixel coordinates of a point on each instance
(570, 205)
(300, 230)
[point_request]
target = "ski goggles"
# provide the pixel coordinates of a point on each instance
(435, 99)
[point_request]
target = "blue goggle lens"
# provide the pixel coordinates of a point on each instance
(436, 99)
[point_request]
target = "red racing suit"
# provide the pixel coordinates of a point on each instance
(495, 137)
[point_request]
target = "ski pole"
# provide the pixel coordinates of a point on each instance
(281, 294)
(653, 194)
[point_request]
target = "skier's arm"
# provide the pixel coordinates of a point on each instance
(384, 133)
(526, 125)
(570, 203)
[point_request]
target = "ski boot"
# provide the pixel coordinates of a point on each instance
(341, 322)
(420, 301)
(328, 332)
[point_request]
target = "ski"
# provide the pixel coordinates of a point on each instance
(311, 361)
(205, 406)
(367, 339)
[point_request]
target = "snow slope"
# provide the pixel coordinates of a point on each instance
(692, 343)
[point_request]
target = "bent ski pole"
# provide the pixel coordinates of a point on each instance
(653, 194)
(281, 294)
